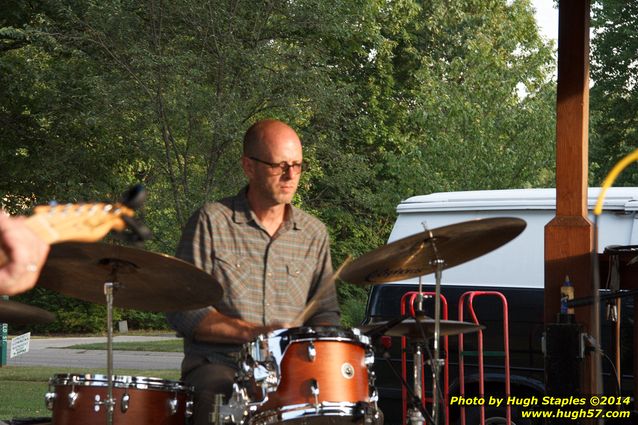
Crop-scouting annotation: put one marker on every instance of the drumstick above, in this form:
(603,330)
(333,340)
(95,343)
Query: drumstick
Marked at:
(310,308)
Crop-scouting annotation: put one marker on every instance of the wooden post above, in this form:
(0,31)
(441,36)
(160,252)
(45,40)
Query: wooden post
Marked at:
(569,236)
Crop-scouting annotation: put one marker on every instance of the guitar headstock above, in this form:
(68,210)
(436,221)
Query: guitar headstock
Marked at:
(78,222)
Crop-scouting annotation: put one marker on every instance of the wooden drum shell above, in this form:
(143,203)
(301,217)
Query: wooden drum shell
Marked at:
(147,405)
(338,370)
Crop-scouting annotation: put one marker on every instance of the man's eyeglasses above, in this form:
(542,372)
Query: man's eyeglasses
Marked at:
(281,168)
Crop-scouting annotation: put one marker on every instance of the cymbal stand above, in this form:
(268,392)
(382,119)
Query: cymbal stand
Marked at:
(110,401)
(109,292)
(436,365)
(415,416)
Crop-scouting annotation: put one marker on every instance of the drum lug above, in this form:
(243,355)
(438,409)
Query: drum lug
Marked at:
(172,406)
(372,378)
(312,352)
(96,405)
(374,395)
(369,358)
(125,402)
(314,390)
(49,399)
(72,398)
(188,410)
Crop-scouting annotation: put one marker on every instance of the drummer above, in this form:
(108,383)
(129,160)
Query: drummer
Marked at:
(269,257)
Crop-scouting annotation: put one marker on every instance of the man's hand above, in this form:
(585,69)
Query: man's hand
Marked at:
(22,255)
(217,327)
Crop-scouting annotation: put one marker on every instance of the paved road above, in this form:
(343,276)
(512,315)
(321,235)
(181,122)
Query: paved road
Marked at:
(48,352)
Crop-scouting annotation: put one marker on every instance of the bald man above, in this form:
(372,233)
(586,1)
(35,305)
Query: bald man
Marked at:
(269,257)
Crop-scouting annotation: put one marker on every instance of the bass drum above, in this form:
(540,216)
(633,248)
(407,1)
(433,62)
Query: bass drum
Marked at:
(79,400)
(310,375)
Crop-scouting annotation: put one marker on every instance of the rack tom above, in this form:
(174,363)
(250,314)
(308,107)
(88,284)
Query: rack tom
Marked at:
(309,374)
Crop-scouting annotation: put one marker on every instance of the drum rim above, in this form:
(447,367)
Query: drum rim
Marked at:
(302,410)
(322,333)
(119,381)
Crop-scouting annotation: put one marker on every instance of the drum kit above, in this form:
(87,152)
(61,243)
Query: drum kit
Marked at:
(294,376)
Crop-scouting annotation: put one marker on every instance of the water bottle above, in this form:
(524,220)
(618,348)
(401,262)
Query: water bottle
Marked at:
(566,294)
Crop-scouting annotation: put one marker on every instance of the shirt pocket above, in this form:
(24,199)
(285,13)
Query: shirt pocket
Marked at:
(298,281)
(232,272)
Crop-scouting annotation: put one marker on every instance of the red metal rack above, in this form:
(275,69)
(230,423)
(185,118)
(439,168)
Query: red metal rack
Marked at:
(468,298)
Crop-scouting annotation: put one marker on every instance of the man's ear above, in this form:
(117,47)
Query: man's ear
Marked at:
(248,166)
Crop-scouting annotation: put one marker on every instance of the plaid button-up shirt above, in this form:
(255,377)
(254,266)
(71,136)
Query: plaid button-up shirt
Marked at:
(265,279)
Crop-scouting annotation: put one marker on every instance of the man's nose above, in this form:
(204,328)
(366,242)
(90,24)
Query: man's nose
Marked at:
(288,174)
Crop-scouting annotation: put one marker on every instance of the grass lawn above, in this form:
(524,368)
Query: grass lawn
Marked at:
(22,389)
(169,345)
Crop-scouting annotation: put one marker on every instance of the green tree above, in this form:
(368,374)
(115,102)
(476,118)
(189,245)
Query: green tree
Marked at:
(52,147)
(391,99)
(614,95)
(449,96)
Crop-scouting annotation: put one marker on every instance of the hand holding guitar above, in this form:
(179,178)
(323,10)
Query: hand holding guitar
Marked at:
(22,257)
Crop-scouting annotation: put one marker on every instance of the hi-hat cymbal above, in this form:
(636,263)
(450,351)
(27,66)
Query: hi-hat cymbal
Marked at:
(416,255)
(15,313)
(145,280)
(410,328)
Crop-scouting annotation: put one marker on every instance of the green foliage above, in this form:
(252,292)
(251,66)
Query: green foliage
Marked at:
(352,299)
(391,99)
(143,319)
(614,95)
(72,316)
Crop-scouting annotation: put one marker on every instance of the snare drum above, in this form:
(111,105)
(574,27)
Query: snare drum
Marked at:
(79,400)
(309,374)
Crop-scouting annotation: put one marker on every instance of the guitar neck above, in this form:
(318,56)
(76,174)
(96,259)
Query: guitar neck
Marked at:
(38,225)
(75,222)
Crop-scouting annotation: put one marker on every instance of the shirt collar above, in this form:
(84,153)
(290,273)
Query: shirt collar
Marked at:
(241,208)
(243,214)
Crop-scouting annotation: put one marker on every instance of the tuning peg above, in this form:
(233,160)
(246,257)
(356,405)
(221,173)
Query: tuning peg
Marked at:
(134,197)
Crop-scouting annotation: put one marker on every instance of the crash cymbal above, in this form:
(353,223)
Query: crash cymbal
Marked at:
(415,255)
(15,313)
(410,328)
(146,281)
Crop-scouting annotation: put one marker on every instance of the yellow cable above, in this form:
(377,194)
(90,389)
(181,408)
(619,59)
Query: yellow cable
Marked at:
(611,177)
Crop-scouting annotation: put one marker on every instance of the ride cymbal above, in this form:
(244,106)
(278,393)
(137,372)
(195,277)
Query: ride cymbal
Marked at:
(410,328)
(15,313)
(416,255)
(145,280)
